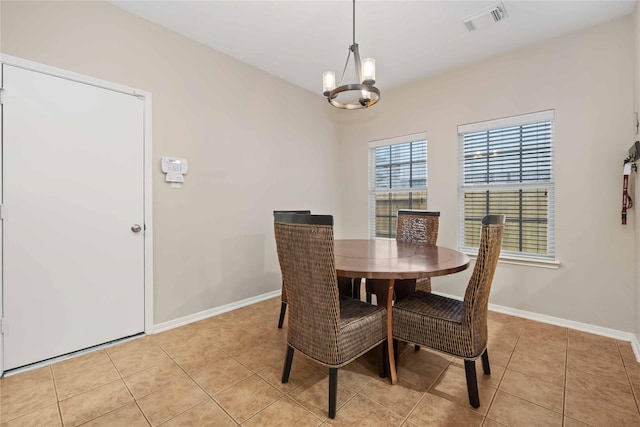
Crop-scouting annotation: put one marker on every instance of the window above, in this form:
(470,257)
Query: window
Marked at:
(507,167)
(397,180)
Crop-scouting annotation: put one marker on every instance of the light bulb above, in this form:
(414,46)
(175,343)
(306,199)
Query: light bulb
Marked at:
(369,70)
(328,82)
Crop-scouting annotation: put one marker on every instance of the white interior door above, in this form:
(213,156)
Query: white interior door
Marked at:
(73,188)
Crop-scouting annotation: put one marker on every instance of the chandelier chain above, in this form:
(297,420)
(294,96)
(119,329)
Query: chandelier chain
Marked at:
(354,21)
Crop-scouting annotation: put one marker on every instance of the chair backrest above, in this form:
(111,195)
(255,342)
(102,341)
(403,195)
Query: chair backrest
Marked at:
(302,212)
(305,253)
(291,212)
(419,227)
(476,298)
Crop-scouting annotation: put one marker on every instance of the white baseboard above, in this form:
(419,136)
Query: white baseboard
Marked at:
(170,324)
(585,327)
(635,345)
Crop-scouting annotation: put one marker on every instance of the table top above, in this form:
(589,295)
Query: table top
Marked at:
(389,259)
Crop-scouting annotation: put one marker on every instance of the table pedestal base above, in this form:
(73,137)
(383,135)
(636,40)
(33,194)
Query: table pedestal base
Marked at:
(384,294)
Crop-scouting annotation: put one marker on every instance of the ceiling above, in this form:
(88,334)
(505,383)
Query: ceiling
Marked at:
(298,40)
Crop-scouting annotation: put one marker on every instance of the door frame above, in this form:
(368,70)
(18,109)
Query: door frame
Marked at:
(147,166)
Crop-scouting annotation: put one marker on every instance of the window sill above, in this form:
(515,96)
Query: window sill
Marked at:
(528,262)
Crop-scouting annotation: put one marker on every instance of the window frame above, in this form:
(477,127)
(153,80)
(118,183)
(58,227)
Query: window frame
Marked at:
(373,191)
(547,260)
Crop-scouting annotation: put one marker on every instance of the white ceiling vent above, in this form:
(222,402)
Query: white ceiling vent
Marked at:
(486,17)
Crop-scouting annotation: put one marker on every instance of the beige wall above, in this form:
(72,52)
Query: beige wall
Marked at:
(254,144)
(587,78)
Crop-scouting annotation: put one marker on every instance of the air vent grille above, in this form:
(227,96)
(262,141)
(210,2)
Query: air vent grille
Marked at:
(486,17)
(497,14)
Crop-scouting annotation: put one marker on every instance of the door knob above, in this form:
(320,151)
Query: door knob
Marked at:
(136,228)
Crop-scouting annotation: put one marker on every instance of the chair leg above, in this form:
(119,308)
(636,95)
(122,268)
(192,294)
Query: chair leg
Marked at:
(287,365)
(283,310)
(356,288)
(383,367)
(404,288)
(472,382)
(485,362)
(395,350)
(333,391)
(345,286)
(417,347)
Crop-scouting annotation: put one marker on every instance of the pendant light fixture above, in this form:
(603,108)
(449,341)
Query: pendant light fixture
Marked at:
(353,96)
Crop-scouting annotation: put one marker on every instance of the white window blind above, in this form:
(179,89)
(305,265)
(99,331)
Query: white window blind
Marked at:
(507,167)
(397,180)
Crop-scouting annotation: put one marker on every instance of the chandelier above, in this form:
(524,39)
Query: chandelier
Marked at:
(353,96)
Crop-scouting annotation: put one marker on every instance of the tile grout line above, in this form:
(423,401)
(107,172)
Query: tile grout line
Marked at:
(406,419)
(108,412)
(633,392)
(370,400)
(257,374)
(196,383)
(93,389)
(284,396)
(253,372)
(565,384)
(566,370)
(186,410)
(486,416)
(527,400)
(610,402)
(287,394)
(424,394)
(128,389)
(55,390)
(121,379)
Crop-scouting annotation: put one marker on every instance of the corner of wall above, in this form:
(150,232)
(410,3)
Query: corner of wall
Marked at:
(636,106)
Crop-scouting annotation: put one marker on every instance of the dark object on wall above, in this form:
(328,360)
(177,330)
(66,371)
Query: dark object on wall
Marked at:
(628,167)
(634,152)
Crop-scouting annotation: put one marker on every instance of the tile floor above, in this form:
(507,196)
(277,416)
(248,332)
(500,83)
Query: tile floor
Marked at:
(225,371)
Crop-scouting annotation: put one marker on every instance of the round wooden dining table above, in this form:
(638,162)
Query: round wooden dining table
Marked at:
(392,260)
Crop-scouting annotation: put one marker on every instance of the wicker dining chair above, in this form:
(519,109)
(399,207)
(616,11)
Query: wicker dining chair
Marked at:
(419,227)
(458,328)
(328,328)
(347,285)
(283,294)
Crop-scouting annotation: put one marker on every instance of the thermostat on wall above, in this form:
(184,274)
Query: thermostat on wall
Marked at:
(175,168)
